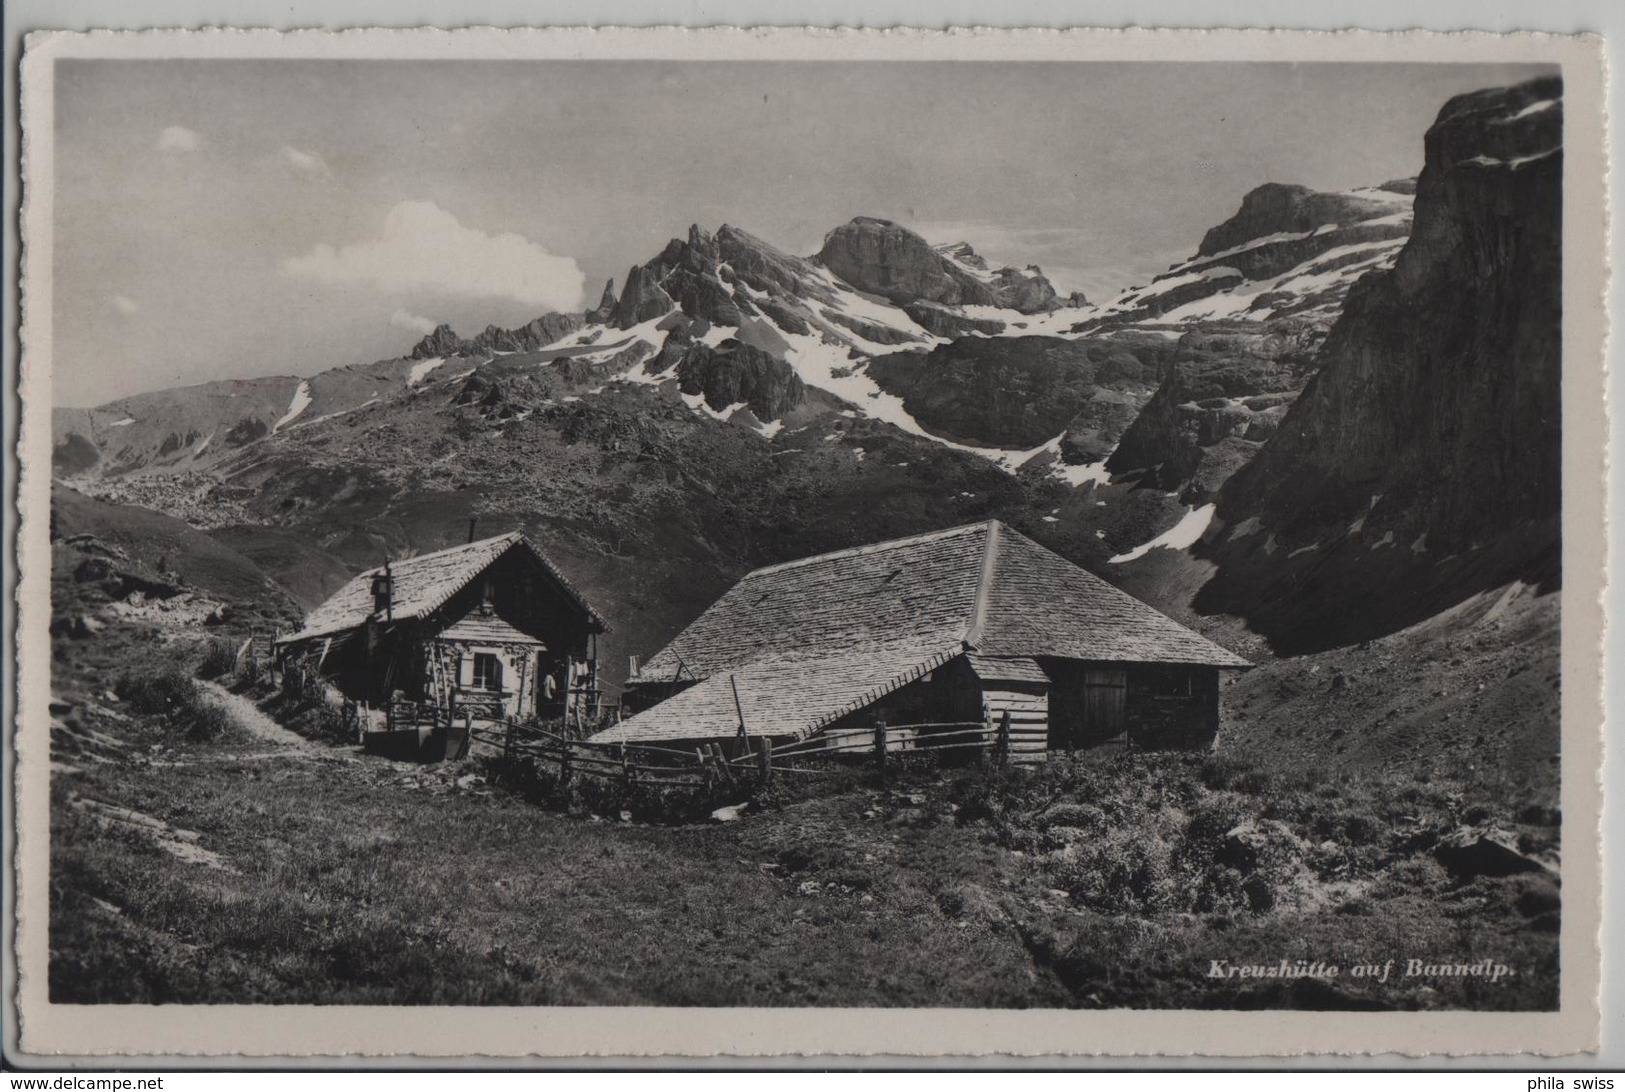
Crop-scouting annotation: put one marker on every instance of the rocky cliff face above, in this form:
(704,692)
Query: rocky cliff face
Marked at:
(1421,464)
(737,374)
(1222,394)
(1019,392)
(887,259)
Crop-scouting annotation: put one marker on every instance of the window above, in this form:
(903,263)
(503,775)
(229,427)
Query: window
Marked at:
(487,671)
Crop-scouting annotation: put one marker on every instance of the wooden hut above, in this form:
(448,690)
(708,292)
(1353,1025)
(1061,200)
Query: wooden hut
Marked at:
(427,645)
(973,625)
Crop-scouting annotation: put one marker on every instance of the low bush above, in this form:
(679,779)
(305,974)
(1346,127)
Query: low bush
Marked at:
(178,700)
(159,693)
(219,660)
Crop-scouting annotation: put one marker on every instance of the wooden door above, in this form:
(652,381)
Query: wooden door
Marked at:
(1105,695)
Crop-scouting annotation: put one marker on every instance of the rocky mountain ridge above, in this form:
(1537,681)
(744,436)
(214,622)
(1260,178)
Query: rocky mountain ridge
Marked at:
(736,405)
(1288,251)
(1422,462)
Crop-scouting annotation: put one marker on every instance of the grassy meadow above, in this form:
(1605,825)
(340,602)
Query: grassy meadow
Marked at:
(197,860)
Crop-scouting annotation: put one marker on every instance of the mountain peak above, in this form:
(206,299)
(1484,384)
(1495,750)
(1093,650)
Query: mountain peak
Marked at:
(441,342)
(886,259)
(1277,208)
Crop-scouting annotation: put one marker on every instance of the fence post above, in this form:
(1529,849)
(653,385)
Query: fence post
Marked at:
(626,771)
(1004,739)
(880,749)
(564,762)
(720,761)
(507,741)
(764,759)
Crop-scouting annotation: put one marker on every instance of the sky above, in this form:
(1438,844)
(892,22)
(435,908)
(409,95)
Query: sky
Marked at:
(236,218)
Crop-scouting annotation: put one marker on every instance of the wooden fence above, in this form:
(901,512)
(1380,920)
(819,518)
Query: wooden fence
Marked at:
(755,759)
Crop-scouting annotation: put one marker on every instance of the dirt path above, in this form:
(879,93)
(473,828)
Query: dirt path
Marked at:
(256,723)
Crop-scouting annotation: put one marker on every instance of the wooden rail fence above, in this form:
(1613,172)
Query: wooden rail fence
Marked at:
(754,759)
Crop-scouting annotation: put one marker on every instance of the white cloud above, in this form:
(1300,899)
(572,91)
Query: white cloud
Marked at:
(424,248)
(309,162)
(178,138)
(406,320)
(124,305)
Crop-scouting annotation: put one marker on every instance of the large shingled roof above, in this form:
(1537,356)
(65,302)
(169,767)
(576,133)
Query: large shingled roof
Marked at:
(423,584)
(809,641)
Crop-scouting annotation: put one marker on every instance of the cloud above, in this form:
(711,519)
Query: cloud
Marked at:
(424,248)
(406,320)
(124,305)
(309,162)
(178,138)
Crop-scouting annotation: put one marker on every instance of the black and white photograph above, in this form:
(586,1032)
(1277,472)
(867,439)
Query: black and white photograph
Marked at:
(827,531)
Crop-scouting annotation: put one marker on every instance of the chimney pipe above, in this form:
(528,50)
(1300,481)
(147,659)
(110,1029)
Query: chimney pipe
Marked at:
(472,520)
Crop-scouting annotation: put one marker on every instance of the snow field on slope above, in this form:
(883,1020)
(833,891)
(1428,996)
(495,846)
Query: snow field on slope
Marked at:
(301,402)
(421,369)
(1181,536)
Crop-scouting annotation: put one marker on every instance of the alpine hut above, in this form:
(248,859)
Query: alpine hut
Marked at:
(973,625)
(425,646)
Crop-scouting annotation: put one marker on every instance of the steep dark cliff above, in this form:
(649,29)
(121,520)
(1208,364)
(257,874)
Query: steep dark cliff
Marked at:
(1222,395)
(1023,391)
(1421,465)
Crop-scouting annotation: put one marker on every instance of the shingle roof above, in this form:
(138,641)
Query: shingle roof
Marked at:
(1006,668)
(423,584)
(1040,604)
(808,641)
(919,589)
(783,694)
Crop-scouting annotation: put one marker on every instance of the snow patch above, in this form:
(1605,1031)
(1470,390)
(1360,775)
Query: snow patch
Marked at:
(1528,111)
(1249,526)
(121,424)
(421,369)
(1181,536)
(330,416)
(697,403)
(301,402)
(1514,163)
(1083,474)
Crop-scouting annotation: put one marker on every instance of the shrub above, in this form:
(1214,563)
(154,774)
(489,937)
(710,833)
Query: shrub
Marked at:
(1081,816)
(219,660)
(1124,872)
(1222,771)
(1210,820)
(175,697)
(155,694)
